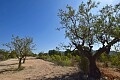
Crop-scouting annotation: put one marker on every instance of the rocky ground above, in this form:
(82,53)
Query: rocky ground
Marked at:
(37,69)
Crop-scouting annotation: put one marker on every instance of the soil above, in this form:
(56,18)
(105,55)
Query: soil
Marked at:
(37,69)
(34,69)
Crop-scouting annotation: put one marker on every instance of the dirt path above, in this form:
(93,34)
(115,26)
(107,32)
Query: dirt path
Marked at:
(35,69)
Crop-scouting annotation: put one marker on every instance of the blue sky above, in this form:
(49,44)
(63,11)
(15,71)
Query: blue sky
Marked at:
(37,19)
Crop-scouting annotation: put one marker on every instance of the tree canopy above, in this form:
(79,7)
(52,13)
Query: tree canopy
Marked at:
(85,29)
(22,47)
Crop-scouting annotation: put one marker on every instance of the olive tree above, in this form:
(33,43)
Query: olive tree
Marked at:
(22,47)
(28,46)
(85,28)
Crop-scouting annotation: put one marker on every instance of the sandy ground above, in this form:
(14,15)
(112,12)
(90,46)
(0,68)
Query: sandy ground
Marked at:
(35,69)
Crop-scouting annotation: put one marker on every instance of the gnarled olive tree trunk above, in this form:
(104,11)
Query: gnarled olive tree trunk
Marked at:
(94,72)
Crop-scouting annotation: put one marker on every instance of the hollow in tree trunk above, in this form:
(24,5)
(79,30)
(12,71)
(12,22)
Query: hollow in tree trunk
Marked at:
(94,71)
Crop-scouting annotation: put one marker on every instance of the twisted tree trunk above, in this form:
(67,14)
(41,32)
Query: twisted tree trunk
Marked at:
(94,72)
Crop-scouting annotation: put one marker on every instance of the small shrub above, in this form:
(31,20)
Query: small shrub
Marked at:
(45,57)
(69,55)
(104,57)
(77,58)
(61,60)
(115,60)
(57,58)
(66,63)
(52,57)
(64,58)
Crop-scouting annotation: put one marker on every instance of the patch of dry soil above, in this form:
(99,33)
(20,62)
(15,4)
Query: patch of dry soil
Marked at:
(34,69)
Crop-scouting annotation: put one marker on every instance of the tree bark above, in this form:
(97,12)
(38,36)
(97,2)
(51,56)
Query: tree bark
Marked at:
(24,59)
(19,66)
(94,72)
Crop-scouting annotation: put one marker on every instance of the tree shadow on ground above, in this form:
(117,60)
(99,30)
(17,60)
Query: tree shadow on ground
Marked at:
(7,70)
(74,76)
(8,64)
(11,70)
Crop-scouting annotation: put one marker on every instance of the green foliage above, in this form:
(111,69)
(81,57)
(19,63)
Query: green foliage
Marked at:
(21,46)
(69,55)
(67,58)
(85,29)
(39,55)
(32,54)
(104,57)
(4,55)
(63,60)
(52,52)
(66,62)
(57,58)
(115,60)
(71,60)
(78,58)
(44,57)
(13,54)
